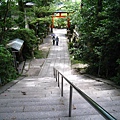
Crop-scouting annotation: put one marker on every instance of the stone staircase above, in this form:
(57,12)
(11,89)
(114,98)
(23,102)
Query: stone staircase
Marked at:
(35,98)
(106,94)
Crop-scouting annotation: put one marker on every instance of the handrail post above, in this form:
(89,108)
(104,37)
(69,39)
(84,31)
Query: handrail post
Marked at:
(58,79)
(56,75)
(62,86)
(54,72)
(70,101)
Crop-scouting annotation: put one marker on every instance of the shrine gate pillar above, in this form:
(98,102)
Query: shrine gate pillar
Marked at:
(68,21)
(52,24)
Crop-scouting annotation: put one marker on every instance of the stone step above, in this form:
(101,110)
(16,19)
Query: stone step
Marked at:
(40,91)
(36,84)
(88,117)
(41,100)
(32,115)
(46,114)
(33,107)
(77,103)
(33,103)
(56,94)
(4,96)
(84,113)
(56,105)
(65,97)
(31,92)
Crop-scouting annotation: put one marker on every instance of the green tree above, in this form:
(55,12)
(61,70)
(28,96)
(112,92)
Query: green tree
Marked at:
(21,14)
(99,41)
(12,14)
(7,69)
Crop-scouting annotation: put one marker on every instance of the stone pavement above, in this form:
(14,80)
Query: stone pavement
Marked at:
(58,56)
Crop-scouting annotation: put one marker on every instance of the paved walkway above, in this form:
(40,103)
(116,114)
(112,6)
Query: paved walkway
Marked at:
(58,56)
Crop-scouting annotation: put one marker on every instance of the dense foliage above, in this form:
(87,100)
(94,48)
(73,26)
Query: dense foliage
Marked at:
(99,42)
(17,18)
(7,70)
(97,22)
(29,38)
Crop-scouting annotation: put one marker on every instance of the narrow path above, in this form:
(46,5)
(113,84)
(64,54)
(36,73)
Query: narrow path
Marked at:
(58,56)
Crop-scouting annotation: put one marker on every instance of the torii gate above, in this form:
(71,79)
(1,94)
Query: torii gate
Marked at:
(60,16)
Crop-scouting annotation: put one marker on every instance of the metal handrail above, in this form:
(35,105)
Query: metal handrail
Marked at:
(102,111)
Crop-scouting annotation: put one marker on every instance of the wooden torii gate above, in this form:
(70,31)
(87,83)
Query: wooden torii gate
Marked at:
(60,14)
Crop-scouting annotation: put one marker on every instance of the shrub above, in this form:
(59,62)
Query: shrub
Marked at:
(30,40)
(7,69)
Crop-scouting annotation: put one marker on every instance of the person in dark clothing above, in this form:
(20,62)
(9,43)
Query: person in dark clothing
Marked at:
(57,40)
(53,38)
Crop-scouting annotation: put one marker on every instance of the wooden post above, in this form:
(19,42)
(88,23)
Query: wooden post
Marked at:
(68,21)
(52,25)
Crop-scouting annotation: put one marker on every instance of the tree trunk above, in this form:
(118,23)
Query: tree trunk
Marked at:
(6,13)
(100,5)
(21,15)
